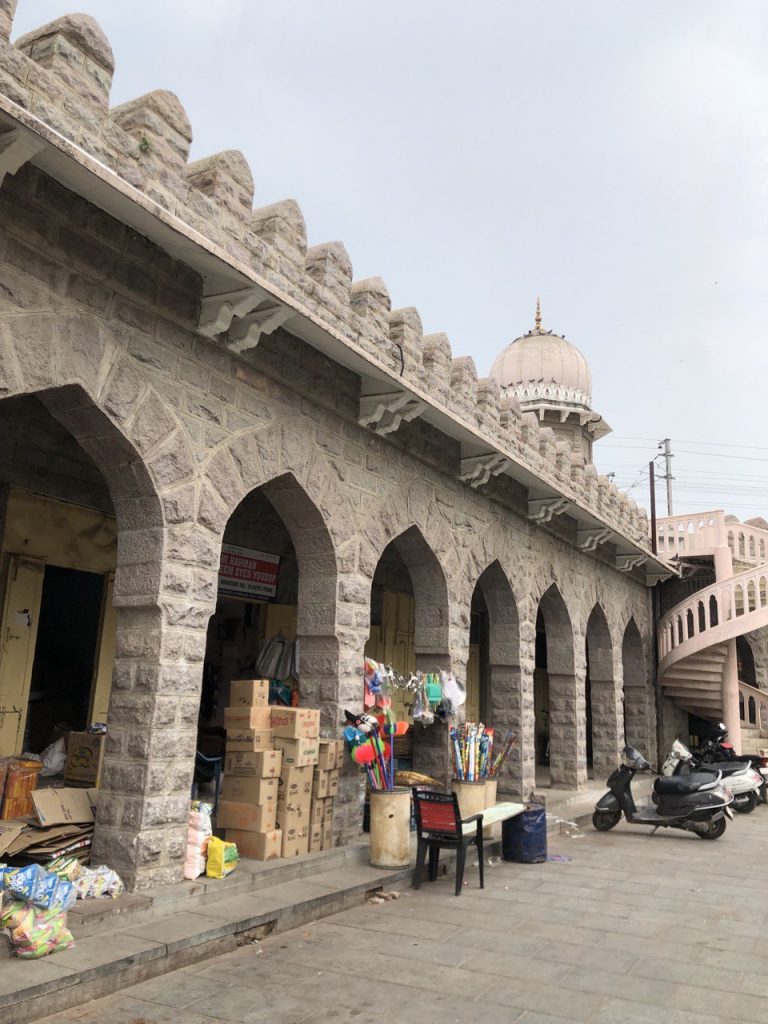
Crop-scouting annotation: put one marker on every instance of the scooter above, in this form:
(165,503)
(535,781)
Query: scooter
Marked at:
(743,782)
(717,751)
(695,803)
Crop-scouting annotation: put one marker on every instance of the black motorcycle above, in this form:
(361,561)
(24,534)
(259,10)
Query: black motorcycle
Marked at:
(695,803)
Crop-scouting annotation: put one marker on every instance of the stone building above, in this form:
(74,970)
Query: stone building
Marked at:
(179,370)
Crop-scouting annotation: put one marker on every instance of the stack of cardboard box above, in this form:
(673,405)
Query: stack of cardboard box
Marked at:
(248,806)
(279,777)
(297,733)
(325,784)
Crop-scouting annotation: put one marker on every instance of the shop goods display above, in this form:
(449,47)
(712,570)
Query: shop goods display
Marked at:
(365,735)
(89,883)
(436,695)
(21,778)
(199,831)
(34,932)
(474,755)
(222,858)
(276,769)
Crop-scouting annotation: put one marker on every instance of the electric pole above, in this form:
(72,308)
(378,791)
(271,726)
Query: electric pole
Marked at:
(668,456)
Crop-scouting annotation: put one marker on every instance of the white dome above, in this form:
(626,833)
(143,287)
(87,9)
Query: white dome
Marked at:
(542,367)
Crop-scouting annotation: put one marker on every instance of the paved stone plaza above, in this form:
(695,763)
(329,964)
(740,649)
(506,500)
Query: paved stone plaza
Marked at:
(632,929)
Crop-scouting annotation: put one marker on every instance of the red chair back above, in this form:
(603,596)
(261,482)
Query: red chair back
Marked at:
(437,812)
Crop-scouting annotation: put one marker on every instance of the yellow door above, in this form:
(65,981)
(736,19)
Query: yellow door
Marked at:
(21,614)
(473,684)
(105,658)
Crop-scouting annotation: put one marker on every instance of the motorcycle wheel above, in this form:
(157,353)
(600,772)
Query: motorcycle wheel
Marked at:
(747,804)
(604,821)
(712,831)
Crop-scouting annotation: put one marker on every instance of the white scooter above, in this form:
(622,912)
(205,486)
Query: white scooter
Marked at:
(742,780)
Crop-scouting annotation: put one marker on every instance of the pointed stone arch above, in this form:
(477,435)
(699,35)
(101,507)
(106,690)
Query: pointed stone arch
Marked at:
(603,704)
(639,714)
(501,697)
(567,726)
(408,564)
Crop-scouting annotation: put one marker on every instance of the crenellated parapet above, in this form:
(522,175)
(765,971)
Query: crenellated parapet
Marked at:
(62,74)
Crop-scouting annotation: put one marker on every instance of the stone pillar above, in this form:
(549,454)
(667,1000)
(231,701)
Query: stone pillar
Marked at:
(526,743)
(141,824)
(567,731)
(730,694)
(511,708)
(607,725)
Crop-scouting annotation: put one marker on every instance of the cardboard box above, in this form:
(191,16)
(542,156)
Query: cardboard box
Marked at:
(296,786)
(315,838)
(64,806)
(317,812)
(331,755)
(293,818)
(242,717)
(252,693)
(247,817)
(257,845)
(328,810)
(295,846)
(325,784)
(297,753)
(327,835)
(296,723)
(249,739)
(85,751)
(249,789)
(262,763)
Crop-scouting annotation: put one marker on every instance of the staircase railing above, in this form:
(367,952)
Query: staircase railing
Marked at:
(690,535)
(700,534)
(717,613)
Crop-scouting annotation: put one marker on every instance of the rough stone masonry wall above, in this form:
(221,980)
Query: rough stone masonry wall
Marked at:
(102,326)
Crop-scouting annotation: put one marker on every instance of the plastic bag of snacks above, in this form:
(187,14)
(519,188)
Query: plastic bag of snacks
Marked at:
(198,833)
(222,858)
(66,867)
(39,886)
(97,882)
(34,932)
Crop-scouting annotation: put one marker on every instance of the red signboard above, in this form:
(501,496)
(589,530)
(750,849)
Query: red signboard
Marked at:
(247,573)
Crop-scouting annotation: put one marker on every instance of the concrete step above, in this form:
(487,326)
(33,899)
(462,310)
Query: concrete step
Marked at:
(143,941)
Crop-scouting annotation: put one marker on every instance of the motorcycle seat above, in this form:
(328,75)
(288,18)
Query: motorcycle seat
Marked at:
(681,785)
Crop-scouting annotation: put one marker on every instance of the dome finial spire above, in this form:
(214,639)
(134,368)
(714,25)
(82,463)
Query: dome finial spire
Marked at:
(537,320)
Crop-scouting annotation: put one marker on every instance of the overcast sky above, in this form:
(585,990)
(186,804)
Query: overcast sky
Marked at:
(609,155)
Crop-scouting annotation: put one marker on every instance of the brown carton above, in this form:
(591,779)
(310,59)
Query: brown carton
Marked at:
(247,817)
(331,755)
(249,789)
(252,693)
(328,810)
(262,763)
(327,835)
(252,739)
(315,838)
(317,812)
(85,751)
(296,844)
(296,785)
(296,723)
(325,784)
(257,845)
(242,717)
(297,753)
(292,818)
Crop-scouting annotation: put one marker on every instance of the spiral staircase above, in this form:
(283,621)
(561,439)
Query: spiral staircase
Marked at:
(697,637)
